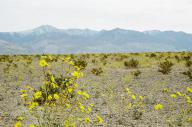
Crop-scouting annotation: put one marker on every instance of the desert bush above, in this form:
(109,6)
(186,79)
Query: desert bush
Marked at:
(93,61)
(131,63)
(188,63)
(177,58)
(165,67)
(152,55)
(97,71)
(82,64)
(186,58)
(188,73)
(137,73)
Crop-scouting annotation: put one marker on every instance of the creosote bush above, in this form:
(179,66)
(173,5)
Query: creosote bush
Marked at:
(165,67)
(81,64)
(97,71)
(133,63)
(188,73)
(188,63)
(136,73)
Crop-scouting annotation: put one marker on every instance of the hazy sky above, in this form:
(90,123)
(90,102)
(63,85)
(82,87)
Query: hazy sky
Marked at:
(16,15)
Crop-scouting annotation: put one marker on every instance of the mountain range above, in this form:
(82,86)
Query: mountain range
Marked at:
(51,40)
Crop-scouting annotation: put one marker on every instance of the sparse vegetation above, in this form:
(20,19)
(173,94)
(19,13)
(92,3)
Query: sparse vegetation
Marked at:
(80,90)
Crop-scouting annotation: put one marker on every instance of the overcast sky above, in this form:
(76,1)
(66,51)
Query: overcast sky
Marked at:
(17,15)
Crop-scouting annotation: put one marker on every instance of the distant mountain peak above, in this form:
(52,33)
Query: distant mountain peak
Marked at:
(41,30)
(45,28)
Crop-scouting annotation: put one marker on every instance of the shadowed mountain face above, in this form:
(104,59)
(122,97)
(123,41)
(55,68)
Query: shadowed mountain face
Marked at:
(48,39)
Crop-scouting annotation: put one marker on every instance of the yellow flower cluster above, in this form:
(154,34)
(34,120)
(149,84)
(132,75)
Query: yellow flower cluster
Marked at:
(76,74)
(189,90)
(18,124)
(158,107)
(37,95)
(43,63)
(60,93)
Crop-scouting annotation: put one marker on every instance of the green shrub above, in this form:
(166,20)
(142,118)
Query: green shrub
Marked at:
(97,71)
(188,63)
(165,67)
(137,73)
(131,63)
(82,64)
(188,73)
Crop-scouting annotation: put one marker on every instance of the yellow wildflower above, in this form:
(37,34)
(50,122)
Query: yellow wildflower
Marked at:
(184,95)
(72,63)
(18,124)
(91,105)
(32,125)
(20,118)
(76,74)
(37,94)
(52,78)
(68,58)
(173,95)
(158,106)
(129,105)
(82,108)
(189,120)
(29,87)
(68,105)
(85,95)
(66,123)
(128,91)
(89,109)
(178,93)
(166,90)
(76,85)
(99,119)
(56,96)
(188,100)
(189,90)
(79,92)
(49,97)
(23,91)
(87,120)
(79,119)
(24,95)
(70,90)
(52,105)
(73,124)
(33,105)
(54,85)
(133,97)
(141,97)
(43,63)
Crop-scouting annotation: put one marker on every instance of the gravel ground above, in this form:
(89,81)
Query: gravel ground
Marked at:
(107,92)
